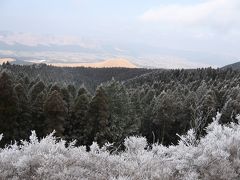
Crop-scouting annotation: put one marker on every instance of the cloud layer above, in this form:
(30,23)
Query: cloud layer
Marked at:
(208,13)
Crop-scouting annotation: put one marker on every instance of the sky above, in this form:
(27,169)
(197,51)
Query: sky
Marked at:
(204,26)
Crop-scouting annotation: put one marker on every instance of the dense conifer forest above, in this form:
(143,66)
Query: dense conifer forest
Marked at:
(108,105)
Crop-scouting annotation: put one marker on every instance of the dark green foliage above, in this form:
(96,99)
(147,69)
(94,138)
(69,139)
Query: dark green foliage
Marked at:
(164,111)
(72,91)
(90,77)
(122,118)
(230,110)
(98,118)
(191,100)
(76,126)
(82,91)
(38,115)
(8,109)
(55,87)
(205,111)
(37,88)
(55,111)
(66,98)
(24,125)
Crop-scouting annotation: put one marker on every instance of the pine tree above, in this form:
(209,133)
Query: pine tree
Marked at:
(67,99)
(122,118)
(230,111)
(8,109)
(26,81)
(38,115)
(227,112)
(147,122)
(205,113)
(77,125)
(164,116)
(189,111)
(55,87)
(98,117)
(36,89)
(72,91)
(55,111)
(82,90)
(24,124)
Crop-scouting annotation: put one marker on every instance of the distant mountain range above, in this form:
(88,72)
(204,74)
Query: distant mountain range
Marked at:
(110,63)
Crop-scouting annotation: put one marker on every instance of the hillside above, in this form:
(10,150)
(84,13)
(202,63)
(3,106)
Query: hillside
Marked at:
(234,66)
(90,77)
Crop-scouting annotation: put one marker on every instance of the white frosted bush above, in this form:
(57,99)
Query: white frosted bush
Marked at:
(135,145)
(216,156)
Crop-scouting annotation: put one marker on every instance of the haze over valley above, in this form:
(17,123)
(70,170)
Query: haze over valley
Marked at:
(157,34)
(28,48)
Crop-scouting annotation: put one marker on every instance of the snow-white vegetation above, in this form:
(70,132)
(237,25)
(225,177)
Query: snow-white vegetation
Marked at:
(215,156)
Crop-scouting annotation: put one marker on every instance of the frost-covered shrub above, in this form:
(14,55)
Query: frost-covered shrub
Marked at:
(216,156)
(134,145)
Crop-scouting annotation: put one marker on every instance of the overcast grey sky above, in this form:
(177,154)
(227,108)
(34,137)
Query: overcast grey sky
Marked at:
(211,26)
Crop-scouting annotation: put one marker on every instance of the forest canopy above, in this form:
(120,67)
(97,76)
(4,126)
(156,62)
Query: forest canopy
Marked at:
(156,104)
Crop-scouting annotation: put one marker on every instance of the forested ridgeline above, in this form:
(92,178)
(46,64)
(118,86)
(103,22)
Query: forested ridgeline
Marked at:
(157,105)
(90,77)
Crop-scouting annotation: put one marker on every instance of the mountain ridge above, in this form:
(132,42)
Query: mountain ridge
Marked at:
(234,66)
